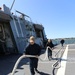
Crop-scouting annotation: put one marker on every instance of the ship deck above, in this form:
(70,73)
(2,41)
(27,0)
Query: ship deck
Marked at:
(67,64)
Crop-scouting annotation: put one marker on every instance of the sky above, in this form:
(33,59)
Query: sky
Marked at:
(57,16)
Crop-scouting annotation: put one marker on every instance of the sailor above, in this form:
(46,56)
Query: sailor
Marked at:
(33,49)
(50,46)
(62,42)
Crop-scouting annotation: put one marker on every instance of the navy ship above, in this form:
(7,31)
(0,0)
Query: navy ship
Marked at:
(16,30)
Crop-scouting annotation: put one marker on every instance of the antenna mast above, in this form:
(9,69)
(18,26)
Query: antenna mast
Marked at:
(12,5)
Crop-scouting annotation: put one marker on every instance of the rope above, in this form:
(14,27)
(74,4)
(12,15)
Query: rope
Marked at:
(57,64)
(27,56)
